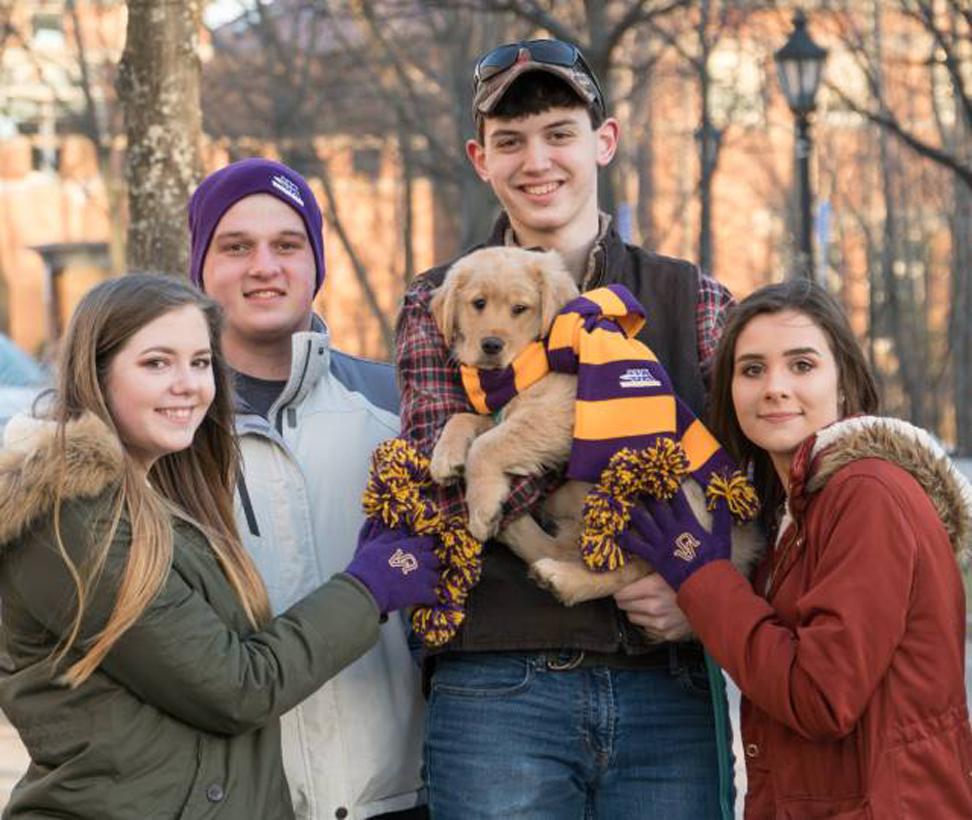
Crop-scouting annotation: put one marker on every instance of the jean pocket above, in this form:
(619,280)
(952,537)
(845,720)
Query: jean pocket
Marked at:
(482,676)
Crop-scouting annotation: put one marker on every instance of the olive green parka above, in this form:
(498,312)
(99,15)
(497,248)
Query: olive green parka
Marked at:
(181,718)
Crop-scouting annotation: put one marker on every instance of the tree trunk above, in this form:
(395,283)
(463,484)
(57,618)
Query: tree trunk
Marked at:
(408,206)
(895,300)
(158,85)
(707,146)
(640,136)
(960,326)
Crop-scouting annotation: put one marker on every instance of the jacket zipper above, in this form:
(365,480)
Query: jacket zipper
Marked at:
(251,521)
(300,383)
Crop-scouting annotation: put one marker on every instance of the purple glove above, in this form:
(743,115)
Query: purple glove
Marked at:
(398,568)
(670,538)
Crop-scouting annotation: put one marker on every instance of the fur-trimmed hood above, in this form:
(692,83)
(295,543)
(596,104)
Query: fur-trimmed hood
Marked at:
(899,442)
(30,480)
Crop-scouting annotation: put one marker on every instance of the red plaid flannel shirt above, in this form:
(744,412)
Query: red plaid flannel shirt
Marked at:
(431,389)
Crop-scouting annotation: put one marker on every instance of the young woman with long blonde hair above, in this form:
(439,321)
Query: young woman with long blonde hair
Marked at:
(147,676)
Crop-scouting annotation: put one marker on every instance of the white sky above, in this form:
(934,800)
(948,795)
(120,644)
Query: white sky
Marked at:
(218,12)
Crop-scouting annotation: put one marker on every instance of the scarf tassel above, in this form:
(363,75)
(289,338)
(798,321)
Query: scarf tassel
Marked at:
(738,494)
(396,495)
(658,471)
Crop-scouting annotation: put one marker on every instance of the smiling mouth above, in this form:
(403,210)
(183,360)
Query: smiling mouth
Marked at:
(264,293)
(540,190)
(180,415)
(777,418)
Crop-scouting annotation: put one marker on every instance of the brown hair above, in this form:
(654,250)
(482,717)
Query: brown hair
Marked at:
(536,92)
(196,483)
(855,382)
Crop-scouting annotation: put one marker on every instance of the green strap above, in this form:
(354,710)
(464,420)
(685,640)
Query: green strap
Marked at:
(720,711)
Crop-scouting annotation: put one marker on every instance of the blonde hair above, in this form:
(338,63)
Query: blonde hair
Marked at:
(196,483)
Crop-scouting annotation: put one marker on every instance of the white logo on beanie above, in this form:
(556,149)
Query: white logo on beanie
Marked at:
(287,187)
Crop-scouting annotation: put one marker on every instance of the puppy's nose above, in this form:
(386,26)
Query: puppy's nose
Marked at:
(491,345)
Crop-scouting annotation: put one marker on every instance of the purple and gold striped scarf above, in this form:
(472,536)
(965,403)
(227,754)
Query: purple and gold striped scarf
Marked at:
(624,395)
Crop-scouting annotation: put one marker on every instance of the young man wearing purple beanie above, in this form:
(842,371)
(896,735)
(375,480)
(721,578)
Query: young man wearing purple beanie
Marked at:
(308,418)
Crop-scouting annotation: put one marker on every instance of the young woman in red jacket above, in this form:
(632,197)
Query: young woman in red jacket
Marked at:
(848,645)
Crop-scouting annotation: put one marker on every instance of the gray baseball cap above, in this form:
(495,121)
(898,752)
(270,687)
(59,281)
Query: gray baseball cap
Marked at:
(500,67)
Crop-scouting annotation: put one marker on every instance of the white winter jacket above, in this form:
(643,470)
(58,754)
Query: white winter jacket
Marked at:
(353,749)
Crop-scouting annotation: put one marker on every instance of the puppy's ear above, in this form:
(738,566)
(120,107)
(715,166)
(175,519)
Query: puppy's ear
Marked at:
(557,287)
(445,301)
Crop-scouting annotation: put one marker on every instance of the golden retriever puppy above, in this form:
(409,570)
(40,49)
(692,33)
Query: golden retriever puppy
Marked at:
(492,304)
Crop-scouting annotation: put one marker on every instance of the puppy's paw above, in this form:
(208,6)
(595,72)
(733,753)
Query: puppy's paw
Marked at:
(483,524)
(545,573)
(570,581)
(446,465)
(484,499)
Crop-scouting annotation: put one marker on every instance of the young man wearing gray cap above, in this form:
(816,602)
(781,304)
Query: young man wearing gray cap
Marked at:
(308,417)
(537,710)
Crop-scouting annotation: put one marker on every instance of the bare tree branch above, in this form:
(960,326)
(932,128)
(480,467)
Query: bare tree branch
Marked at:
(636,15)
(919,146)
(926,16)
(532,13)
(335,221)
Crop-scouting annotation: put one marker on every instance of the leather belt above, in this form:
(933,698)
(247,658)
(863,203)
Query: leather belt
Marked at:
(663,656)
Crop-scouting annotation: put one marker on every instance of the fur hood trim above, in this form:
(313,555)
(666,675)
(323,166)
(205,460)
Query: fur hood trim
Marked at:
(29,479)
(912,449)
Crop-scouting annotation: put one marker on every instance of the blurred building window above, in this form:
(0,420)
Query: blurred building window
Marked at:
(367,161)
(45,158)
(48,31)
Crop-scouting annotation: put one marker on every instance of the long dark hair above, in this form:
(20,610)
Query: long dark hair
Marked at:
(854,380)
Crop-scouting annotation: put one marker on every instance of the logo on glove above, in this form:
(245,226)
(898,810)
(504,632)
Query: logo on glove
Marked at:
(404,561)
(687,547)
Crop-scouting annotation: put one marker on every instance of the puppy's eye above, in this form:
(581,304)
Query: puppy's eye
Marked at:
(518,309)
(479,303)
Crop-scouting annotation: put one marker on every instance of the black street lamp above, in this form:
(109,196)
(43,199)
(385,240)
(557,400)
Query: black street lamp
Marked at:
(799,65)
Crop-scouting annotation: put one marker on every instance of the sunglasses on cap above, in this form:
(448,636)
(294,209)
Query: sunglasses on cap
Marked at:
(545,52)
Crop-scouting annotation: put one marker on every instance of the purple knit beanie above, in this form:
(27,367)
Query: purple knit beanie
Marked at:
(222,189)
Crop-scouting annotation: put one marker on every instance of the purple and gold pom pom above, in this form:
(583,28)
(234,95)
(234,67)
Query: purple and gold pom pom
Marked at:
(396,495)
(739,495)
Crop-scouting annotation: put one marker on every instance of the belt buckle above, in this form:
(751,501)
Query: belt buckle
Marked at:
(566,664)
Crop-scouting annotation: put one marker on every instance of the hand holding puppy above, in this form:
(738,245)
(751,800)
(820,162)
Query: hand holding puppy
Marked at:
(650,603)
(670,538)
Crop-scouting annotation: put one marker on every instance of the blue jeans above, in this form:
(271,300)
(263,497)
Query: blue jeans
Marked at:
(512,736)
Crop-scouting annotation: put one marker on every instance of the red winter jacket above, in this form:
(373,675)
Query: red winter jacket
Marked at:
(852,664)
